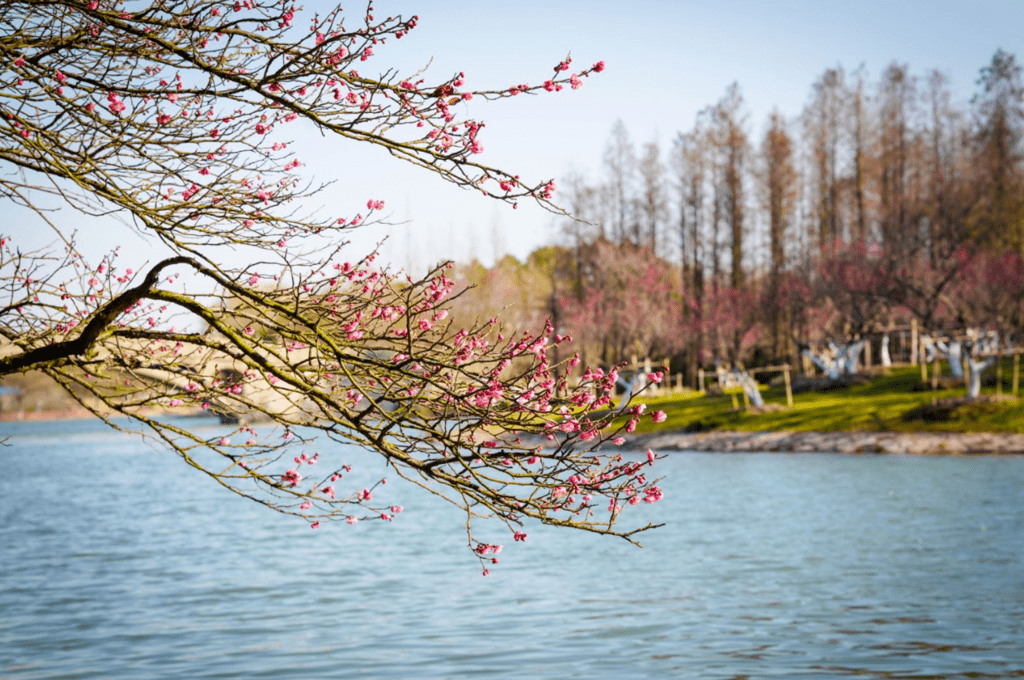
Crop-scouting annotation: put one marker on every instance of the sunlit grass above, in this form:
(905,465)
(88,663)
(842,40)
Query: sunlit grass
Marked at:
(877,406)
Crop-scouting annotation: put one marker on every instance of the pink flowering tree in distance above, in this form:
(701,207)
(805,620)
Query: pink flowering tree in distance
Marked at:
(171,114)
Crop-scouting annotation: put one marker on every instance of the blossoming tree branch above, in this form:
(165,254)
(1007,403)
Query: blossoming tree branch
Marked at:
(172,115)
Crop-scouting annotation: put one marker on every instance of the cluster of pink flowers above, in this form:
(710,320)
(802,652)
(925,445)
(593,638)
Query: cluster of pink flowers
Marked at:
(487,549)
(115,105)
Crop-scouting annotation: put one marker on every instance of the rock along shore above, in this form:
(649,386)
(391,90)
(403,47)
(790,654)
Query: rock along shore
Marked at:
(919,443)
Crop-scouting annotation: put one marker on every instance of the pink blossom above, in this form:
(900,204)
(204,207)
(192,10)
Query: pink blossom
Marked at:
(396,509)
(650,457)
(365,495)
(314,525)
(619,441)
(351,520)
(115,105)
(659,416)
(306,505)
(653,495)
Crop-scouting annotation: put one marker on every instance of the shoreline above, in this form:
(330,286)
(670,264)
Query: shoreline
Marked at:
(54,415)
(768,441)
(60,415)
(855,442)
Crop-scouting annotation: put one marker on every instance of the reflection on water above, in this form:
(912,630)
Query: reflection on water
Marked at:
(118,560)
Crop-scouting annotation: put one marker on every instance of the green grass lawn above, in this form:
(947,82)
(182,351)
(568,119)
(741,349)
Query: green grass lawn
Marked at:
(879,406)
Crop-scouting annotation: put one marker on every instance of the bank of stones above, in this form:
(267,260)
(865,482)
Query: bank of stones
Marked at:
(922,443)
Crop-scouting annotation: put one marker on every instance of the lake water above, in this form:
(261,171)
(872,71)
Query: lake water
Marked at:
(117,560)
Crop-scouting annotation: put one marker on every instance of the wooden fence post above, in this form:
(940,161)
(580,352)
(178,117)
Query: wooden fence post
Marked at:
(913,343)
(700,380)
(999,372)
(789,387)
(924,366)
(1016,373)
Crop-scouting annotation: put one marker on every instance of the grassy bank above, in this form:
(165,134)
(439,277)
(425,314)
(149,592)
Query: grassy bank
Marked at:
(879,405)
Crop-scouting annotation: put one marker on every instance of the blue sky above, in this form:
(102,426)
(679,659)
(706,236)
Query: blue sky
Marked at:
(666,61)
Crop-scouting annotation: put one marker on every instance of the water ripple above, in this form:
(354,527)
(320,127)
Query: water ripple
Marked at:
(771,566)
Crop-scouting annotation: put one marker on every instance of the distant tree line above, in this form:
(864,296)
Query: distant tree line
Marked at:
(879,203)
